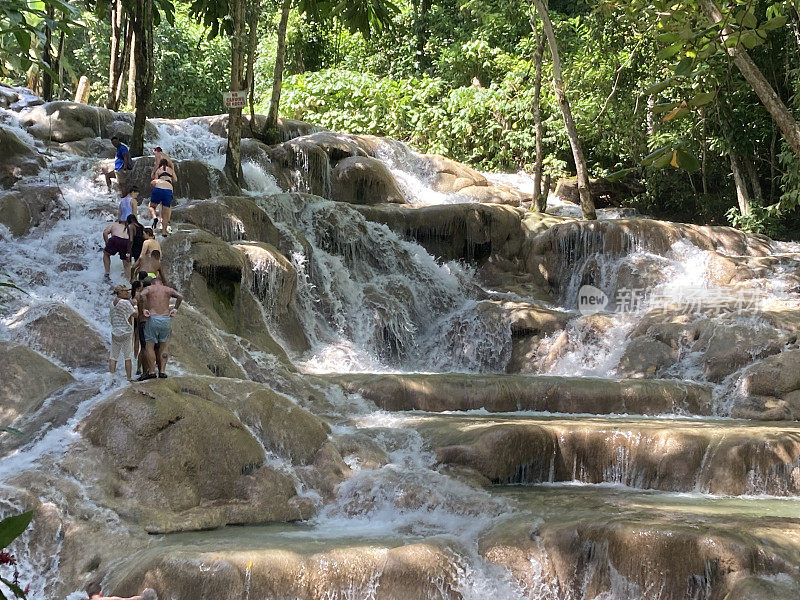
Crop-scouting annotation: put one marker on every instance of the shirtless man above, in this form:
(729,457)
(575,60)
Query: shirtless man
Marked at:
(95,592)
(150,264)
(159,324)
(150,242)
(115,237)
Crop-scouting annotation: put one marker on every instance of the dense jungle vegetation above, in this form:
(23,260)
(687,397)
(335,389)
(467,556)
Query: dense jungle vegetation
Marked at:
(658,100)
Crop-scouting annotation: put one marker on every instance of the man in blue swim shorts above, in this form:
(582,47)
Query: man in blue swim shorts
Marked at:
(155,298)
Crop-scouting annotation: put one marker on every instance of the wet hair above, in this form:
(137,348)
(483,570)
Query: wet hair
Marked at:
(155,254)
(164,163)
(142,275)
(113,137)
(132,189)
(131,219)
(149,231)
(93,589)
(149,594)
(135,288)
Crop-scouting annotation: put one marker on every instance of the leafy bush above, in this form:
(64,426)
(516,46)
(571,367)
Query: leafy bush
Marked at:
(10,529)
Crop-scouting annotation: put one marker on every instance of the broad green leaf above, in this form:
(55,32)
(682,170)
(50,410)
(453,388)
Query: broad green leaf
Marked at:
(774,23)
(655,155)
(12,527)
(686,161)
(619,175)
(664,107)
(663,160)
(746,18)
(669,51)
(676,113)
(668,38)
(702,99)
(657,88)
(684,67)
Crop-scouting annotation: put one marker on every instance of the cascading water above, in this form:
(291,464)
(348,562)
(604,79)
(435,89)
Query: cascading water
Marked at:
(368,300)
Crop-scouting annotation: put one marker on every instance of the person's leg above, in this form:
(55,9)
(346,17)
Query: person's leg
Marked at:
(128,368)
(151,357)
(143,349)
(126,264)
(112,365)
(166,211)
(159,366)
(109,176)
(164,356)
(152,208)
(107,262)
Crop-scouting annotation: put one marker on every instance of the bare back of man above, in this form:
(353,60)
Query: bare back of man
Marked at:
(116,241)
(157,300)
(150,265)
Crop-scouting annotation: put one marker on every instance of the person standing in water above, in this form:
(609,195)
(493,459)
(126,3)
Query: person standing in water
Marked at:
(159,324)
(116,240)
(129,205)
(120,313)
(122,167)
(163,179)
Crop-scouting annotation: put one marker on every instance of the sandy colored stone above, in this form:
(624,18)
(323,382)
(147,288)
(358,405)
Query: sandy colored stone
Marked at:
(364,180)
(64,335)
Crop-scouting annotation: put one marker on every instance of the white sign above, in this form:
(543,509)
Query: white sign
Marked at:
(235,99)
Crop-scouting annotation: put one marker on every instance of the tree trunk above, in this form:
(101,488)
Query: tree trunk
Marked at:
(772,167)
(539,196)
(47,57)
(233,154)
(421,37)
(270,133)
(125,60)
(755,184)
(115,56)
(82,93)
(253,14)
(776,108)
(132,71)
(60,68)
(142,24)
(587,202)
(741,188)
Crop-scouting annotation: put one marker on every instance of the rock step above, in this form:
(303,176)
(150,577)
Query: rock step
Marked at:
(708,456)
(598,543)
(546,393)
(563,543)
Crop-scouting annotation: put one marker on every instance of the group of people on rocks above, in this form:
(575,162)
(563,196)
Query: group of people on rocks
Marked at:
(141,313)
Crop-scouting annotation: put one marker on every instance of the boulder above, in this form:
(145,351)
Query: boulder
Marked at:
(451,177)
(606,193)
(63,334)
(231,218)
(26,207)
(776,375)
(17,159)
(26,380)
(470,232)
(64,121)
(189,453)
(645,357)
(364,180)
(196,179)
(88,147)
(727,347)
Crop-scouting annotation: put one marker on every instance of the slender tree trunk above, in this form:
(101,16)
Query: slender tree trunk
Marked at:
(772,168)
(421,35)
(585,192)
(143,59)
(703,154)
(741,188)
(233,154)
(539,195)
(47,58)
(125,60)
(115,56)
(132,70)
(253,14)
(780,114)
(271,134)
(755,184)
(60,68)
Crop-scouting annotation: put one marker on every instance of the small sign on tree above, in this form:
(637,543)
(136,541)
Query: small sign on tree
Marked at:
(235,99)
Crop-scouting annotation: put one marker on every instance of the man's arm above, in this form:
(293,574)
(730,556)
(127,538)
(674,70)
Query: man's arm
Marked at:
(179,299)
(126,160)
(106,233)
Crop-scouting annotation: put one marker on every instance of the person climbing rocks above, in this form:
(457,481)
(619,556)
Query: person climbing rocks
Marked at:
(159,324)
(150,264)
(122,167)
(163,179)
(94,591)
(115,238)
(136,235)
(122,310)
(159,154)
(150,242)
(129,204)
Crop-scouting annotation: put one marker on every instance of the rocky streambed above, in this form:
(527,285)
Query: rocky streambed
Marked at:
(383,384)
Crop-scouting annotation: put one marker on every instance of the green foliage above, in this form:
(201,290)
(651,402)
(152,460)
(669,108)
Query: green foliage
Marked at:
(10,529)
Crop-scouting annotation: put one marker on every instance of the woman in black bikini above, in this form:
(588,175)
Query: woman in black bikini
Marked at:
(163,178)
